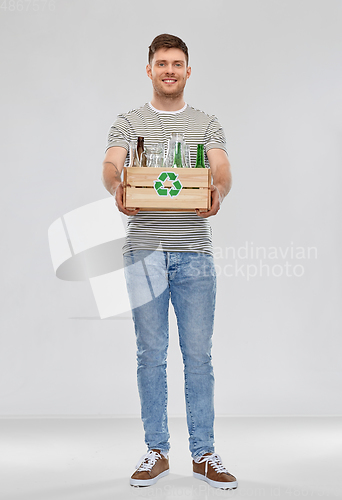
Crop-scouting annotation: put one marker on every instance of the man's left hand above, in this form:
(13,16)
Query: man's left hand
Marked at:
(216,200)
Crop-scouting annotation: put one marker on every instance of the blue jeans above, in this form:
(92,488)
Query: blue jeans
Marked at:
(189,279)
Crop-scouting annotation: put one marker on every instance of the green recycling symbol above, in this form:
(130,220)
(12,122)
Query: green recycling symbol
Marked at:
(172,191)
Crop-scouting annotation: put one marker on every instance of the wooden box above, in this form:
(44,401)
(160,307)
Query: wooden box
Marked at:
(181,189)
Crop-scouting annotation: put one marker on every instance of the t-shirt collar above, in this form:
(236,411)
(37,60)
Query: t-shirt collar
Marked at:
(168,112)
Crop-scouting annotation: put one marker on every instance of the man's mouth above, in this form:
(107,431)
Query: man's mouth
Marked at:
(169,80)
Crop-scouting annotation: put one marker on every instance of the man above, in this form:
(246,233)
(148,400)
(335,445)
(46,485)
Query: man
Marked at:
(169,255)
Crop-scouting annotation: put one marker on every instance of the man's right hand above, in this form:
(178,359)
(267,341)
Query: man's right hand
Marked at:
(118,196)
(111,176)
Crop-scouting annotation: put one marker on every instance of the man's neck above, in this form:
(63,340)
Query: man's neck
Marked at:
(168,104)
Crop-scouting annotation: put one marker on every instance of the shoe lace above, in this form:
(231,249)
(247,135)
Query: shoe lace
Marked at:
(215,461)
(147,461)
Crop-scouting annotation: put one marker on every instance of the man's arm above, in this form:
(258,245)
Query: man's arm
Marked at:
(113,164)
(222,180)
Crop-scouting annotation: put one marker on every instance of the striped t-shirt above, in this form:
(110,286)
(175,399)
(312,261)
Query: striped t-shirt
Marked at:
(168,231)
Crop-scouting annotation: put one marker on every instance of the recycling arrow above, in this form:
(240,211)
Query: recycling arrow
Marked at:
(173,191)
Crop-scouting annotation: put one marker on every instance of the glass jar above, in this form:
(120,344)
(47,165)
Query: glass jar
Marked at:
(155,155)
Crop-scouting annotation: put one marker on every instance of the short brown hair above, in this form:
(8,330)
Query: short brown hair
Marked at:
(166,41)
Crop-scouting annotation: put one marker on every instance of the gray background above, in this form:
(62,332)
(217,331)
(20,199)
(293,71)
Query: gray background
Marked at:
(271,71)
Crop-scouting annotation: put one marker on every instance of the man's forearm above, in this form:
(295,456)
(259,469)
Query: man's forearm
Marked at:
(220,169)
(111,176)
(223,181)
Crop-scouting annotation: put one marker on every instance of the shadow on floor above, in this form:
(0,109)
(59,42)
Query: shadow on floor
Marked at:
(169,488)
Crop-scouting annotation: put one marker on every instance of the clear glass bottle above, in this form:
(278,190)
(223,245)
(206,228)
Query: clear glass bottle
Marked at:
(187,156)
(175,154)
(133,154)
(170,152)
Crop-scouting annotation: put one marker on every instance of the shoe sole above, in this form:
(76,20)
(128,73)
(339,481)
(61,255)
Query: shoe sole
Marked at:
(217,484)
(148,482)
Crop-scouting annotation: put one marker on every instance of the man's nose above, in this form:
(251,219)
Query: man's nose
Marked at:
(169,68)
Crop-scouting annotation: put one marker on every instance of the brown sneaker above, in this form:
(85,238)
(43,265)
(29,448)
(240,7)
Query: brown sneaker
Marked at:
(151,467)
(209,468)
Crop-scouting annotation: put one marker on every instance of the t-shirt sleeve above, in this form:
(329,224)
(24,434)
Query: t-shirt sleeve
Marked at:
(119,134)
(215,137)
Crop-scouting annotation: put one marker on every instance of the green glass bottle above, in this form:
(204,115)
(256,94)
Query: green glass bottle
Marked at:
(200,157)
(177,162)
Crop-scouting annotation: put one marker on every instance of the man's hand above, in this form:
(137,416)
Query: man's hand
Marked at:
(216,200)
(111,176)
(118,196)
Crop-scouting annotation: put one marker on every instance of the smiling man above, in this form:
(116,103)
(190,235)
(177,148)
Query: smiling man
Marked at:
(169,76)
(169,256)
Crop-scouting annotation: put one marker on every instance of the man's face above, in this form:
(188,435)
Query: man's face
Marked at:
(168,72)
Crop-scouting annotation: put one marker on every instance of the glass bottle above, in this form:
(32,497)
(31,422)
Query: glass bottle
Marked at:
(200,157)
(175,138)
(169,154)
(141,152)
(133,154)
(187,156)
(178,160)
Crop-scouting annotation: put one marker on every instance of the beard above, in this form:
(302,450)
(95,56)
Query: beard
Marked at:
(171,94)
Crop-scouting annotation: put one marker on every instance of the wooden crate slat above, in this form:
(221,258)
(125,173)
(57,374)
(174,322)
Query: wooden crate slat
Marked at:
(150,182)
(188,177)
(147,197)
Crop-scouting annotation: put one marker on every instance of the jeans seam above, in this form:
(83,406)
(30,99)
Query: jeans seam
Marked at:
(191,433)
(166,392)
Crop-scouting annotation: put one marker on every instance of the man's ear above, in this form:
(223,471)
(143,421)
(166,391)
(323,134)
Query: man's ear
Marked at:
(188,72)
(149,71)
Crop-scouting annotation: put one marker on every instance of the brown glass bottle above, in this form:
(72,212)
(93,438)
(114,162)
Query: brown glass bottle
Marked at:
(141,152)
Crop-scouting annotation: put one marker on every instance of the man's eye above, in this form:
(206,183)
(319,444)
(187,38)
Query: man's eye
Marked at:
(161,64)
